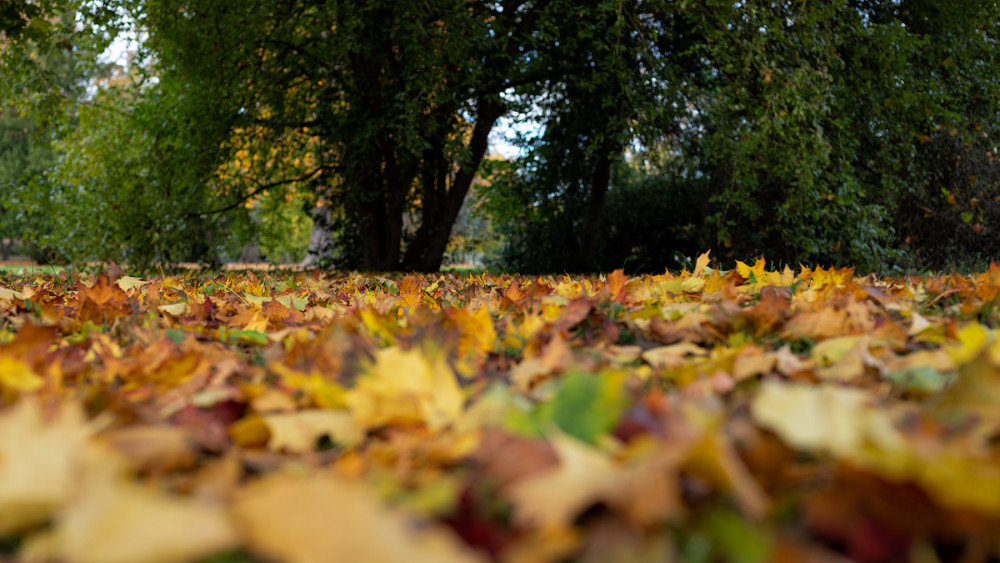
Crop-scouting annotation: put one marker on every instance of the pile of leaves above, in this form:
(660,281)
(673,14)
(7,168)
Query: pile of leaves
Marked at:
(743,415)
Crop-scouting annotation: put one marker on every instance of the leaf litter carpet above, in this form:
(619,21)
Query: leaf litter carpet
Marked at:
(740,415)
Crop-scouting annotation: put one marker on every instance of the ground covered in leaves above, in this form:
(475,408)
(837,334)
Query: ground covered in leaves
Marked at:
(742,415)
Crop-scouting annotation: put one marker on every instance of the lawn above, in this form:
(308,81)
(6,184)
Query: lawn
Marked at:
(735,414)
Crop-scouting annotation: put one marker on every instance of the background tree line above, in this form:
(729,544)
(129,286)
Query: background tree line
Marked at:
(858,132)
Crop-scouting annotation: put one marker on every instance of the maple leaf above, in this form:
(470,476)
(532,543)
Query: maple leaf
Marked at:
(616,284)
(39,462)
(152,448)
(298,432)
(406,386)
(18,376)
(114,521)
(103,301)
(824,417)
(318,518)
(476,340)
(555,497)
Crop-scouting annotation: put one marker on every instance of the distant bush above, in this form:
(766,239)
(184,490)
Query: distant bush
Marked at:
(951,216)
(651,222)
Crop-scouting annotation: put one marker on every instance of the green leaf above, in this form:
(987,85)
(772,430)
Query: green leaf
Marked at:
(293,302)
(248,336)
(586,406)
(736,539)
(922,380)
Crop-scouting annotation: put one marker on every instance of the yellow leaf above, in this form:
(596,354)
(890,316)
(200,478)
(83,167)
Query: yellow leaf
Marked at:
(406,386)
(8,294)
(323,518)
(841,358)
(18,376)
(823,417)
(178,309)
(297,432)
(128,283)
(257,300)
(693,285)
(672,356)
(476,340)
(787,277)
(555,498)
(250,432)
(39,462)
(672,286)
(257,324)
(115,521)
(321,390)
(701,263)
(757,270)
(971,341)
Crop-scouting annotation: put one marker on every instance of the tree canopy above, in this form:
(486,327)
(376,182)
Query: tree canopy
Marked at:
(811,132)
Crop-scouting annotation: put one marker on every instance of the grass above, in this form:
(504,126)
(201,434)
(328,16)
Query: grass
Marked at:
(31,269)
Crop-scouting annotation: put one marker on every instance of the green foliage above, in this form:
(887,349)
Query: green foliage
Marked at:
(799,131)
(284,225)
(133,184)
(951,218)
(650,221)
(54,83)
(808,132)
(22,157)
(816,112)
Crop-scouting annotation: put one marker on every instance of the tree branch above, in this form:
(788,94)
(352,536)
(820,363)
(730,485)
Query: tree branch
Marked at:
(261,188)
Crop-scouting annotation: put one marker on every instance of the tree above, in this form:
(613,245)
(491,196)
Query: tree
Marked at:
(43,79)
(400,98)
(804,126)
(801,122)
(616,77)
(813,113)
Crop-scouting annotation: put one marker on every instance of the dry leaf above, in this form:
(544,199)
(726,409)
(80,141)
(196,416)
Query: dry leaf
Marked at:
(320,518)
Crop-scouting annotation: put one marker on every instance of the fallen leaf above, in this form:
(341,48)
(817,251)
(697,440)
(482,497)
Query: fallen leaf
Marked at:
(672,356)
(298,432)
(319,518)
(17,375)
(40,461)
(129,283)
(152,448)
(406,386)
(555,497)
(118,522)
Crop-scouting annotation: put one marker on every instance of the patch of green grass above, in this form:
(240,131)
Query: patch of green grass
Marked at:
(21,269)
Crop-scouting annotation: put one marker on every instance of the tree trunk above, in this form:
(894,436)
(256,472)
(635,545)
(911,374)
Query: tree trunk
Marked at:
(587,258)
(321,249)
(433,235)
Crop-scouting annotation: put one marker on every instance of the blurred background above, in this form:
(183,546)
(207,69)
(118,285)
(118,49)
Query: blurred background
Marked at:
(530,136)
